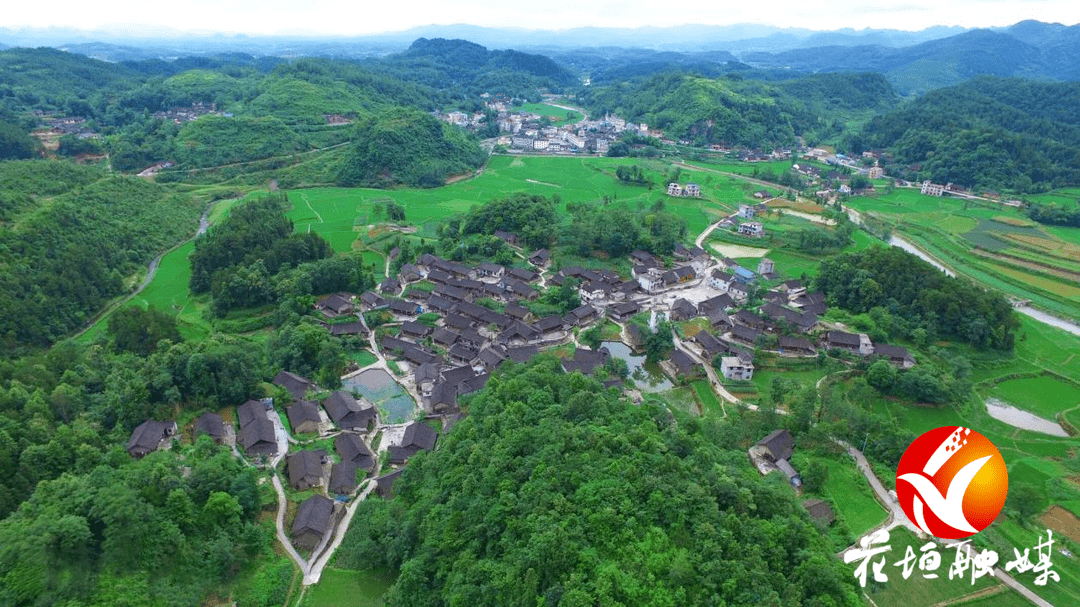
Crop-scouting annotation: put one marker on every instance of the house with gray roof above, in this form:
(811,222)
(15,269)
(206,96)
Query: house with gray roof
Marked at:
(314,519)
(150,436)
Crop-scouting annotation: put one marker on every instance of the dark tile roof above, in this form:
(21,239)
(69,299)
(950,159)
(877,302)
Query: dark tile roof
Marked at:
(343,478)
(473,383)
(404,307)
(779,444)
(443,396)
(720,302)
(418,436)
(795,343)
(842,339)
(305,469)
(492,356)
(683,362)
(456,375)
(416,329)
(301,412)
(444,336)
(314,515)
(460,351)
(347,412)
(549,323)
(212,424)
(148,435)
(522,354)
(349,328)
(296,385)
(820,510)
(586,361)
(745,334)
(352,449)
(523,274)
(384,484)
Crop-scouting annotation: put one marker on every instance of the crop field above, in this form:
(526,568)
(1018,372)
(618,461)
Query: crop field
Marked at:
(1008,535)
(710,402)
(338,587)
(1045,396)
(339,213)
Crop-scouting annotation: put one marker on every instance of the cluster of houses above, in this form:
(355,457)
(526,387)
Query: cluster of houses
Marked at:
(66,125)
(180,114)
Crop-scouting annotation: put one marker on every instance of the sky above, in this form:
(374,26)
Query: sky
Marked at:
(341,17)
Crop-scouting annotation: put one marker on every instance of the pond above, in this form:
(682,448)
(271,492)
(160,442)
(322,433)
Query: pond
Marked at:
(1002,411)
(393,402)
(646,376)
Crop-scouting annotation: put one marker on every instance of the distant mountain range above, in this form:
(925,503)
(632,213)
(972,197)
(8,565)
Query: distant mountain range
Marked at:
(914,62)
(1029,49)
(135,44)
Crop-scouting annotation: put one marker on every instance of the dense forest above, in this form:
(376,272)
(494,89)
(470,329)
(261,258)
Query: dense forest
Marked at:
(988,133)
(408,147)
(738,111)
(73,237)
(913,290)
(554,491)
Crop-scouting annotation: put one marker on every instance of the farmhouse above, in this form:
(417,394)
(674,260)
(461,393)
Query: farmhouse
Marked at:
(858,344)
(732,367)
(304,417)
(296,385)
(149,436)
(897,355)
(212,425)
(348,412)
(314,518)
(352,449)
(418,436)
(674,189)
(258,435)
(752,228)
(306,469)
(932,189)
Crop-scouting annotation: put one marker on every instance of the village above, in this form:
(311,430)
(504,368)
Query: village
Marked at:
(461,343)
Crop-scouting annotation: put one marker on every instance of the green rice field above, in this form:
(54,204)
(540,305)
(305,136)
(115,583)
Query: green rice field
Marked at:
(848,491)
(1045,396)
(710,402)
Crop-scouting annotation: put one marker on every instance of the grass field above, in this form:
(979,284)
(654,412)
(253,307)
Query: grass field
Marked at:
(363,358)
(560,115)
(1044,396)
(345,587)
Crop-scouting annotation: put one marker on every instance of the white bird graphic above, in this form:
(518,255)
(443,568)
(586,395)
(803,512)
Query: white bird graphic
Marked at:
(950,508)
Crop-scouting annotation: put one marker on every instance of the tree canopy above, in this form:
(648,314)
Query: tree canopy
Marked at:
(555,491)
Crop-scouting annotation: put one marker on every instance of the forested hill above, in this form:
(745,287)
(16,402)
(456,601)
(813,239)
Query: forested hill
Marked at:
(70,237)
(739,111)
(556,491)
(459,65)
(988,132)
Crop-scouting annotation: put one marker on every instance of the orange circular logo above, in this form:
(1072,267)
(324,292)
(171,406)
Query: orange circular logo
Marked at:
(952,482)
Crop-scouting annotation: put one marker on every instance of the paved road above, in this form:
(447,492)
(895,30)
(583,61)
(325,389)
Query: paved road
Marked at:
(701,237)
(280,524)
(714,379)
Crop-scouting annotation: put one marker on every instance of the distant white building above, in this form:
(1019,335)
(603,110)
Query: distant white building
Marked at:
(766,266)
(674,189)
(692,189)
(747,211)
(932,189)
(876,172)
(733,367)
(540,144)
